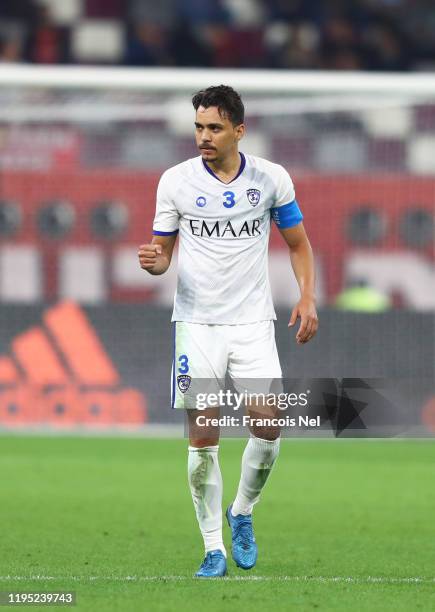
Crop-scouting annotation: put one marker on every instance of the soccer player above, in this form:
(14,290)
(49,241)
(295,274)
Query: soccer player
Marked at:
(221,204)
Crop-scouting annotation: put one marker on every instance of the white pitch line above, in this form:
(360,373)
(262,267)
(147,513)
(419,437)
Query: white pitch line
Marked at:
(321,579)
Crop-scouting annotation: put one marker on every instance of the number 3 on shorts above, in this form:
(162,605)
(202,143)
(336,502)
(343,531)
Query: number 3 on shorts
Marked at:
(184,364)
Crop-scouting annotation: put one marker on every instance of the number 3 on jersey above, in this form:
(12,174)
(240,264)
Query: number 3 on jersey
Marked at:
(229,199)
(184,364)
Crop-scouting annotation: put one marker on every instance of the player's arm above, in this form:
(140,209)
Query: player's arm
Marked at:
(302,261)
(288,219)
(156,257)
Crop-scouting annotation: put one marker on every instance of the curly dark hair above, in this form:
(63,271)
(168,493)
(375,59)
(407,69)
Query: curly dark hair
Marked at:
(227,100)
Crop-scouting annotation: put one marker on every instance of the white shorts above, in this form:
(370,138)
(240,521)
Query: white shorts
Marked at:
(209,352)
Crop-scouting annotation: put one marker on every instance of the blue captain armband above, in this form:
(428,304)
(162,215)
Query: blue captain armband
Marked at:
(287,215)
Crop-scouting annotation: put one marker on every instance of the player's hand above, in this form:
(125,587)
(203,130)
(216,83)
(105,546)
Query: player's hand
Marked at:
(148,254)
(305,310)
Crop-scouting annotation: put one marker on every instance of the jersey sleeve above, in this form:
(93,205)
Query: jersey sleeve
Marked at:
(285,210)
(166,219)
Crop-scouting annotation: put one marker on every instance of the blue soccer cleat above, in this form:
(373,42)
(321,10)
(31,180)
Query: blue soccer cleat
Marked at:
(244,548)
(213,566)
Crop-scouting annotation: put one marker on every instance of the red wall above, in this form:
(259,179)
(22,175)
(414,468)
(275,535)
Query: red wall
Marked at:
(326,202)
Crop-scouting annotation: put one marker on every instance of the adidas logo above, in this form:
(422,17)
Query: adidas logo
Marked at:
(59,374)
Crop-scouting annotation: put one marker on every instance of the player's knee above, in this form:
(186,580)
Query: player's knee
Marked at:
(203,436)
(202,428)
(203,442)
(266,433)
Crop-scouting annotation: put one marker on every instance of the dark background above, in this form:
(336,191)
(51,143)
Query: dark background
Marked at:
(396,345)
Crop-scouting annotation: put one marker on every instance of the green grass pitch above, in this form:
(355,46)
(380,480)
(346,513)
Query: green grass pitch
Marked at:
(342,525)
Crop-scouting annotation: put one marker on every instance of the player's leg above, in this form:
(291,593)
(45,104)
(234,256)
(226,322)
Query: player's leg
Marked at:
(255,357)
(260,362)
(258,459)
(206,487)
(197,358)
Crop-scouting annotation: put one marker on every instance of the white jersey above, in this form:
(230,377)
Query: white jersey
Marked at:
(224,234)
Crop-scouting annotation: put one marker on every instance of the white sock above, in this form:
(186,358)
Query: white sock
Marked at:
(205,481)
(257,462)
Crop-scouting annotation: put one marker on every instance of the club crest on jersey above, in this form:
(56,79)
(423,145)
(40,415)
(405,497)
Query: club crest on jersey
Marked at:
(201,201)
(253,196)
(183,382)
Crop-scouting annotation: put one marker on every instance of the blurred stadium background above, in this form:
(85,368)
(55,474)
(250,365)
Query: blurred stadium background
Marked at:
(337,34)
(85,335)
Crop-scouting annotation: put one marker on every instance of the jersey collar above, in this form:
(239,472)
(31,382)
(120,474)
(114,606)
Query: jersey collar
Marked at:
(242,167)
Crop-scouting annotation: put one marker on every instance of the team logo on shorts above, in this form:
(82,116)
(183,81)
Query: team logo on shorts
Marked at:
(183,382)
(253,196)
